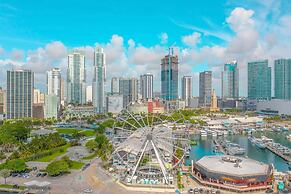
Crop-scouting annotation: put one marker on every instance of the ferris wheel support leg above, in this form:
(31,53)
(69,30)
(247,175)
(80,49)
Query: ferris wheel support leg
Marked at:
(139,159)
(160,162)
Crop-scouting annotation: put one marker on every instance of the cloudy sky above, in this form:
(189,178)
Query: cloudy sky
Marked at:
(38,35)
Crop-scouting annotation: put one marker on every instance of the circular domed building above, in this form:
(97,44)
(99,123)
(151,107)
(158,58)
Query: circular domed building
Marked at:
(233,173)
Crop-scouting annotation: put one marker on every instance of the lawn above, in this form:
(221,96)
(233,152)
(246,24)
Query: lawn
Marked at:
(70,131)
(77,165)
(62,150)
(90,157)
(11,187)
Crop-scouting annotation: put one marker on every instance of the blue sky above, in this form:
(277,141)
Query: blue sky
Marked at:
(135,34)
(29,24)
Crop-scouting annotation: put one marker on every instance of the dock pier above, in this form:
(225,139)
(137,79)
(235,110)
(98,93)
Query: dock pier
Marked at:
(275,151)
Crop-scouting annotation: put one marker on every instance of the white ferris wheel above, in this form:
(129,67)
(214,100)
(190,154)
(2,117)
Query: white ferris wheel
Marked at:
(149,147)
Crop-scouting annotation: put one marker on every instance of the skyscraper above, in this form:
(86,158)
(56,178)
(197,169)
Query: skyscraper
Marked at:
(186,89)
(128,88)
(205,88)
(89,97)
(54,84)
(38,96)
(115,85)
(63,91)
(51,106)
(259,80)
(20,85)
(169,76)
(2,101)
(76,78)
(283,79)
(99,79)
(230,81)
(146,86)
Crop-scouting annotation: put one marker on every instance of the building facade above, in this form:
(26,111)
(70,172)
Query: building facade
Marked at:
(20,85)
(76,78)
(186,89)
(51,106)
(146,86)
(274,107)
(115,85)
(38,96)
(128,88)
(205,88)
(169,76)
(114,103)
(54,84)
(89,97)
(259,80)
(230,81)
(99,79)
(283,79)
(2,101)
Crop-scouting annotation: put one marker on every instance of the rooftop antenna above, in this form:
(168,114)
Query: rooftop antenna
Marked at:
(171,49)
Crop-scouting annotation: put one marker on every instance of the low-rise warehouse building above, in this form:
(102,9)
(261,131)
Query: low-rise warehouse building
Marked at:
(274,107)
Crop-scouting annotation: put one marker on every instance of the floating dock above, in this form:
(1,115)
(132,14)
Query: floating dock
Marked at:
(275,151)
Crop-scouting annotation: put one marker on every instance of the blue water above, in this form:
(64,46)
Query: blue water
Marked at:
(205,148)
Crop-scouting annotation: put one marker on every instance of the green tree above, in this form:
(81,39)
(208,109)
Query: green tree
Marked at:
(5,173)
(17,165)
(57,168)
(68,161)
(101,141)
(92,145)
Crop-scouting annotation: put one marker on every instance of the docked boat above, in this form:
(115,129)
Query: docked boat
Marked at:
(251,139)
(203,133)
(236,151)
(219,133)
(260,144)
(267,140)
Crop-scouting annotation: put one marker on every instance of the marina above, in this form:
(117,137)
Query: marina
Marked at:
(206,147)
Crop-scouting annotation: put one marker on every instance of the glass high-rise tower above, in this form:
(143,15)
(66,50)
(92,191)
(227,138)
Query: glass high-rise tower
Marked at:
(76,78)
(99,79)
(169,76)
(128,88)
(283,79)
(146,86)
(54,84)
(230,80)
(20,84)
(205,88)
(186,89)
(259,80)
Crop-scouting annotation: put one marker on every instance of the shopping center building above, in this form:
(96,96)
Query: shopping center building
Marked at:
(233,173)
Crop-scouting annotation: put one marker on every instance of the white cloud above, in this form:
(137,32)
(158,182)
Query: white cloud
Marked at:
(240,19)
(17,54)
(2,51)
(164,38)
(56,50)
(192,40)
